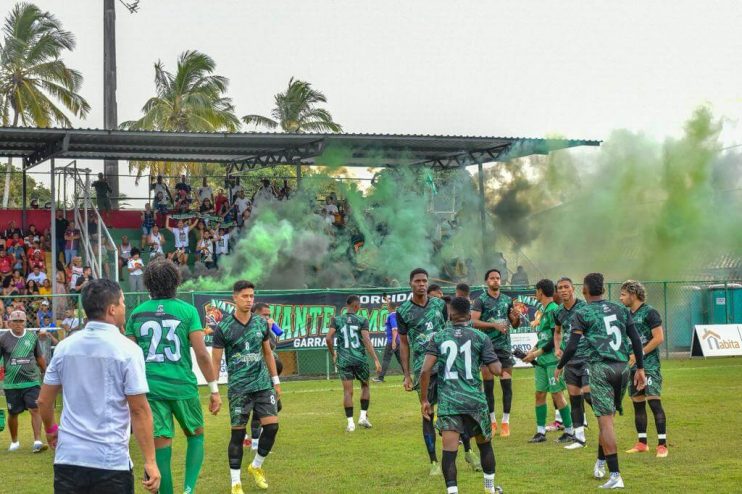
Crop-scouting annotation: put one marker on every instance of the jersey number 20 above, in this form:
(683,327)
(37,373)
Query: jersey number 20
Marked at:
(451,350)
(171,354)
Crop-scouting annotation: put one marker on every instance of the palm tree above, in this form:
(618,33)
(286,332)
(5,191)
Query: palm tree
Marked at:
(191,100)
(296,111)
(33,77)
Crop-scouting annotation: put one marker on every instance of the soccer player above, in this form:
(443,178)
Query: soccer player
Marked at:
(575,372)
(350,358)
(253,384)
(605,326)
(649,326)
(545,365)
(494,314)
(458,351)
(23,357)
(435,291)
(418,319)
(166,329)
(463,290)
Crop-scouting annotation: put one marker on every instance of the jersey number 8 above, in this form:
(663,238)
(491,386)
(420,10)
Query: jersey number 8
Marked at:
(171,354)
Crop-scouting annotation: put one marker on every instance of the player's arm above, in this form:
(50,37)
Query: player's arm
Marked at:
(430,360)
(369,346)
(569,352)
(558,339)
(476,320)
(404,352)
(489,358)
(640,378)
(270,362)
(204,364)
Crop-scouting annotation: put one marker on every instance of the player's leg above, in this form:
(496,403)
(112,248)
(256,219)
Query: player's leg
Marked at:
(556,388)
(558,423)
(13,429)
(189,415)
(429,434)
(266,408)
(488,464)
(348,403)
(488,383)
(616,377)
(450,440)
(239,413)
(541,383)
(660,421)
(162,425)
(365,401)
(578,411)
(638,399)
(506,383)
(469,455)
(254,432)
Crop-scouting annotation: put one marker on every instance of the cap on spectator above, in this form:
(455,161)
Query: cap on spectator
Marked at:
(44,302)
(17,315)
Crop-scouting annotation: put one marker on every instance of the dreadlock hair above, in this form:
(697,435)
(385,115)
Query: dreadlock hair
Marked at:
(161,278)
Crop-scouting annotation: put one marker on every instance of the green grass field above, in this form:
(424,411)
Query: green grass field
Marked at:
(313,454)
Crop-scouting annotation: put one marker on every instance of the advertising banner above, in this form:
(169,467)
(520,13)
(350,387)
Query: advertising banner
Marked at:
(717,340)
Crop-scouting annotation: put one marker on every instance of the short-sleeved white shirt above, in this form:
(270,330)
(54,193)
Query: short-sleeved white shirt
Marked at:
(97,370)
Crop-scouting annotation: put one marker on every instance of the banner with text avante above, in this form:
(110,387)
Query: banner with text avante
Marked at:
(305,317)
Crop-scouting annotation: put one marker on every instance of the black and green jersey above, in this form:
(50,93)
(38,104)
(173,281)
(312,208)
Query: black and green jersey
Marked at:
(350,350)
(563,319)
(646,318)
(460,351)
(604,327)
(495,309)
(243,348)
(419,323)
(162,329)
(545,334)
(19,354)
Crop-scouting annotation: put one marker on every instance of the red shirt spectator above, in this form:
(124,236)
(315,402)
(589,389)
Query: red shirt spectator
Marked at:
(219,201)
(37,261)
(6,263)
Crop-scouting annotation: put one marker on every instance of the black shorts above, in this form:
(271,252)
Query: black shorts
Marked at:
(73,479)
(432,390)
(261,403)
(23,399)
(577,374)
(505,357)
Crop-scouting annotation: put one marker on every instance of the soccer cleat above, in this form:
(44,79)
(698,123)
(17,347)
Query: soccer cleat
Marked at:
(565,438)
(554,426)
(258,475)
(494,428)
(14,446)
(473,460)
(38,447)
(638,448)
(599,469)
(504,430)
(576,444)
(662,451)
(364,423)
(378,379)
(496,490)
(614,482)
(538,438)
(350,427)
(237,489)
(435,469)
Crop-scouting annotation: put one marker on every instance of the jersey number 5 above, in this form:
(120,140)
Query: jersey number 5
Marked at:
(171,354)
(612,331)
(451,350)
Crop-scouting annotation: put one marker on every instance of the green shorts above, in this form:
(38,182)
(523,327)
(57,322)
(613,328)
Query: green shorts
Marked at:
(608,383)
(188,413)
(545,382)
(469,424)
(261,403)
(654,383)
(354,371)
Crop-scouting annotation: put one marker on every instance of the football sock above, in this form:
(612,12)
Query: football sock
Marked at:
(255,428)
(489,482)
(162,458)
(489,394)
(429,438)
(487,455)
(349,412)
(578,413)
(601,455)
(452,490)
(448,465)
(235,450)
(364,405)
(257,462)
(363,415)
(267,438)
(659,421)
(640,420)
(507,395)
(580,433)
(235,476)
(566,413)
(194,460)
(612,461)
(557,414)
(588,398)
(466,442)
(541,418)
(505,418)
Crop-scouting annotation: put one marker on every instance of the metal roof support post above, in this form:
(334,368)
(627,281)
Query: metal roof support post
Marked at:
(298,177)
(55,254)
(24,193)
(482,212)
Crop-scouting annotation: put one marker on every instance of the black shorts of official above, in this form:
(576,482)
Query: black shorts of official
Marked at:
(22,399)
(577,374)
(73,479)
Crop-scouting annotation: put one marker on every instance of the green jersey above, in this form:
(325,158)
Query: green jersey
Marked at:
(545,334)
(19,354)
(350,350)
(460,351)
(495,309)
(243,348)
(604,327)
(162,329)
(420,323)
(563,319)
(646,318)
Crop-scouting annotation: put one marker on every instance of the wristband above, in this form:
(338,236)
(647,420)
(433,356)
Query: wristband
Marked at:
(214,387)
(275,380)
(53,429)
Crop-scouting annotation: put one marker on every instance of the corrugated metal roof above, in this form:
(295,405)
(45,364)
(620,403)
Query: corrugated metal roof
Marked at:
(34,145)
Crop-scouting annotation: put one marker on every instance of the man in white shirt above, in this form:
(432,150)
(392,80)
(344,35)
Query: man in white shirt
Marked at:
(104,391)
(37,275)
(241,202)
(70,323)
(205,192)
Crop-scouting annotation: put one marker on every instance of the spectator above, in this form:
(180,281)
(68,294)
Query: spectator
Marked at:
(265,193)
(61,225)
(135,266)
(245,217)
(102,190)
(241,202)
(330,205)
(71,243)
(6,264)
(392,340)
(92,444)
(222,243)
(18,284)
(124,253)
(70,323)
(36,275)
(33,233)
(75,272)
(37,261)
(183,186)
(162,206)
(236,188)
(82,281)
(44,311)
(206,250)
(220,201)
(155,241)
(32,288)
(180,234)
(46,287)
(148,221)
(12,230)
(520,277)
(206,207)
(161,187)
(93,227)
(182,201)
(23,359)
(18,253)
(502,264)
(285,192)
(204,192)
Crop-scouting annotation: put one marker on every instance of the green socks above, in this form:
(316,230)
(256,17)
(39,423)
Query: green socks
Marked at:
(162,457)
(194,460)
(541,415)
(566,414)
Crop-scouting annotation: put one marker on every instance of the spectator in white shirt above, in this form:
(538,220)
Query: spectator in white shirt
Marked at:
(70,323)
(180,233)
(36,275)
(104,392)
(156,240)
(204,192)
(330,205)
(135,266)
(242,203)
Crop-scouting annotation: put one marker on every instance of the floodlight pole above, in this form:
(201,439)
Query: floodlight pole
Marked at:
(298,177)
(24,192)
(110,114)
(482,213)
(53,230)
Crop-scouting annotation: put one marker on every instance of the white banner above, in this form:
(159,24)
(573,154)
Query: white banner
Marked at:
(717,340)
(200,377)
(523,341)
